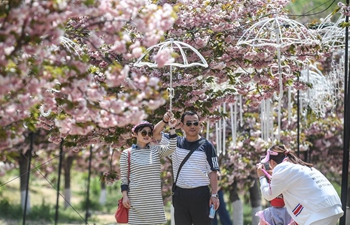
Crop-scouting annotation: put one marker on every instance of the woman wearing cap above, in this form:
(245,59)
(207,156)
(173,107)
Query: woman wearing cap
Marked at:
(309,197)
(142,193)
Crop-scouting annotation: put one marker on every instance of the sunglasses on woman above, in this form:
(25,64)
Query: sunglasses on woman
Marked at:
(144,133)
(196,123)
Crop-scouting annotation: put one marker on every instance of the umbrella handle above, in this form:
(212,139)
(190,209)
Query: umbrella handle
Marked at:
(171,92)
(171,96)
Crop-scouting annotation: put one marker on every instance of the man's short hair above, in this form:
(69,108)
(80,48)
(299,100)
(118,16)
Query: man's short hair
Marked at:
(191,113)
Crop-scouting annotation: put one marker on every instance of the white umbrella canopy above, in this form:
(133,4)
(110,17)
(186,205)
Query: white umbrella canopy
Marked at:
(278,32)
(332,35)
(172,48)
(175,47)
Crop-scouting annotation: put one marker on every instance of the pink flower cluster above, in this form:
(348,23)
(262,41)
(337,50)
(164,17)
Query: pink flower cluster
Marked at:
(345,9)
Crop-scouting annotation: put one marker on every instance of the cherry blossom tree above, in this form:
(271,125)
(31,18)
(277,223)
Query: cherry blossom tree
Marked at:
(52,64)
(65,70)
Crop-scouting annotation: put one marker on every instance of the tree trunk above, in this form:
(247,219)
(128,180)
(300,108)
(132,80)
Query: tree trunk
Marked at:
(23,166)
(67,166)
(172,214)
(237,206)
(103,194)
(255,201)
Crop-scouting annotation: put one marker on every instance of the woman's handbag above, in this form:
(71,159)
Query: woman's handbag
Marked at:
(122,213)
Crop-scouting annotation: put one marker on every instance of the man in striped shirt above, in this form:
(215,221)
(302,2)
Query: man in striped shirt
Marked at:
(192,197)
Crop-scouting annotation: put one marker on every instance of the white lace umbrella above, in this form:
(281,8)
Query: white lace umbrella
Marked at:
(321,95)
(333,34)
(277,32)
(174,47)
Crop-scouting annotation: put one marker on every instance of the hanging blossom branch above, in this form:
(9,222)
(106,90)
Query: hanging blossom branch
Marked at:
(111,176)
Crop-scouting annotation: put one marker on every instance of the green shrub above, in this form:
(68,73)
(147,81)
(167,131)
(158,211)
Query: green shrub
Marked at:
(93,204)
(41,212)
(95,186)
(9,211)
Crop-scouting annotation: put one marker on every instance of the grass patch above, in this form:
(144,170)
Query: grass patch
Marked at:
(42,213)
(43,197)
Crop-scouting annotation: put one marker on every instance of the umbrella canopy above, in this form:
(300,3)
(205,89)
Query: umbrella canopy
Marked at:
(278,32)
(171,47)
(174,47)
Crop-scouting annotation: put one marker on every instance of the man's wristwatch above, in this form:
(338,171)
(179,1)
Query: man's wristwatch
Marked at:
(214,195)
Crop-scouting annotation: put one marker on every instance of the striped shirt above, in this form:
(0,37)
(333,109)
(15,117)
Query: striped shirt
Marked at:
(145,185)
(194,172)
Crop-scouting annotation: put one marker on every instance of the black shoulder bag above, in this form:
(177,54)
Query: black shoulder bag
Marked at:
(178,171)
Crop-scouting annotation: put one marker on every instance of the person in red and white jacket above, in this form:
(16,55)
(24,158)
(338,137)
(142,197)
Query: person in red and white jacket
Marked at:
(309,197)
(276,214)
